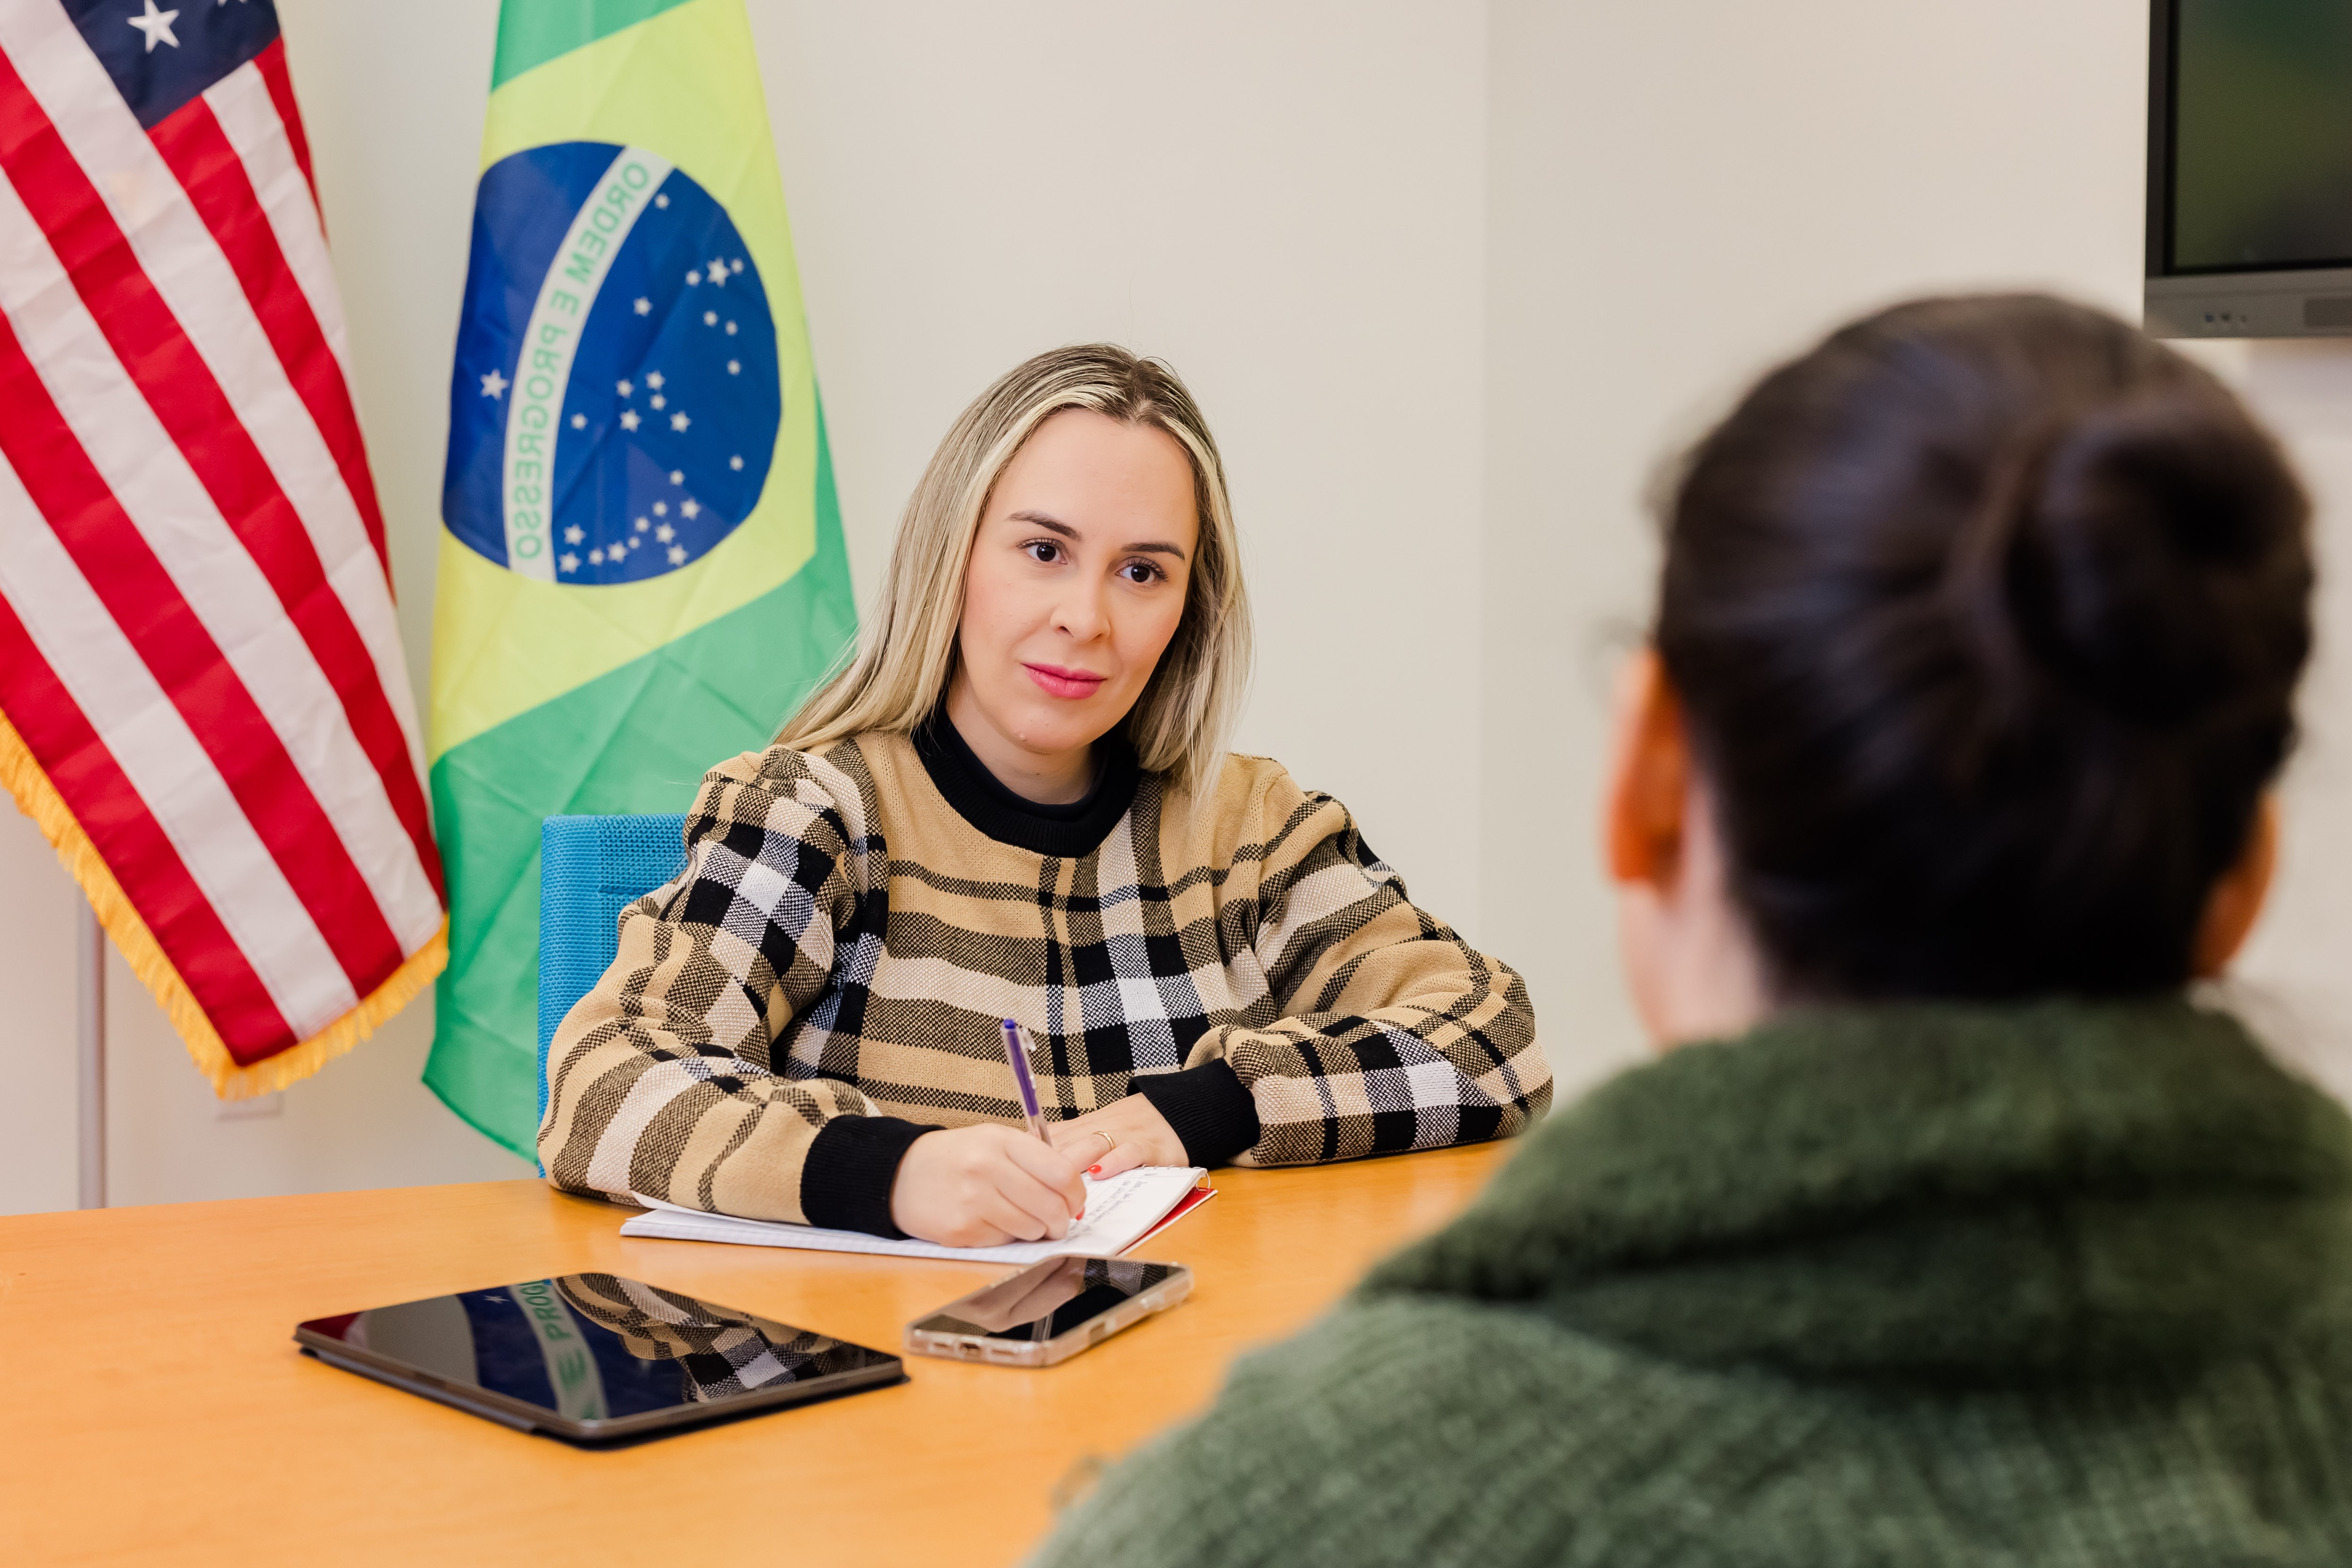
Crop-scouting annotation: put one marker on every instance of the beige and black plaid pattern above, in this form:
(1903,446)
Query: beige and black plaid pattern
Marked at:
(723,1353)
(842,943)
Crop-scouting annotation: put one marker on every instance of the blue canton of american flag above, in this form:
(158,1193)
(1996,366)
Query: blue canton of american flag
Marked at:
(205,701)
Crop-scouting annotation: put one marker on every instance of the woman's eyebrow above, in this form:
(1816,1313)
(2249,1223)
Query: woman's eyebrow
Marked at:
(1055,525)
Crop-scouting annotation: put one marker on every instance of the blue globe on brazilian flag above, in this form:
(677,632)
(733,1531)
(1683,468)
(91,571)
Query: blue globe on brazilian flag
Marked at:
(642,568)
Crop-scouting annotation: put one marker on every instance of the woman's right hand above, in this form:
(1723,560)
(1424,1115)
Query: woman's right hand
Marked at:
(984,1185)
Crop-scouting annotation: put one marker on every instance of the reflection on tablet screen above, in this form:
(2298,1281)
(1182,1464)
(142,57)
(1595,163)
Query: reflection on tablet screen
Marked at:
(595,1347)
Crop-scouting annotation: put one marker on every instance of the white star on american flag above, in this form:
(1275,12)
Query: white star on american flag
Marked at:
(719,271)
(642,525)
(690,508)
(678,421)
(655,381)
(624,388)
(629,420)
(574,534)
(665,533)
(157,26)
(645,306)
(678,554)
(570,561)
(494,385)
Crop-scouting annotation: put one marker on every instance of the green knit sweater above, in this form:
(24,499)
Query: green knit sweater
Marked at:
(2065,1284)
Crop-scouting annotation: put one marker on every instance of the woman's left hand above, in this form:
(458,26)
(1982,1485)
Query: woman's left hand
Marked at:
(1138,1135)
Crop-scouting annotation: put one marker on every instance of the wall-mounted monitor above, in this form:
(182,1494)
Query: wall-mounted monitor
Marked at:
(2250,168)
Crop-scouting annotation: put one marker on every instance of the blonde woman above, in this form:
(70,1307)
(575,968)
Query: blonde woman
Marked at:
(1016,804)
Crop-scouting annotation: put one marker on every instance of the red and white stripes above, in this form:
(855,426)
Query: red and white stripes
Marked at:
(197,643)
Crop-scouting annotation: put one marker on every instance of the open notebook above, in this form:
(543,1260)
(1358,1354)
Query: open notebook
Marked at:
(1121,1211)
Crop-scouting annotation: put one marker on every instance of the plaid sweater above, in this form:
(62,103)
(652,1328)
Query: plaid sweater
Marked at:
(822,982)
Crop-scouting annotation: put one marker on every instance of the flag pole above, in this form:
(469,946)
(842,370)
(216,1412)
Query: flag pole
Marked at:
(91,945)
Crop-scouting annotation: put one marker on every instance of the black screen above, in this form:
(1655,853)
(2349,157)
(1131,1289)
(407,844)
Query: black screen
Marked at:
(2260,135)
(595,1347)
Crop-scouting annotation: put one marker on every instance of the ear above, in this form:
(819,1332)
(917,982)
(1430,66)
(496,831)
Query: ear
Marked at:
(1649,777)
(2236,900)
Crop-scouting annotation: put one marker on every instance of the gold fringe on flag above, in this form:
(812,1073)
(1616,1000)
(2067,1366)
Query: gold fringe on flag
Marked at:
(39,800)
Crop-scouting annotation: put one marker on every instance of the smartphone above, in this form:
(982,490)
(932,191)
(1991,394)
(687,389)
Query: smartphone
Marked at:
(1050,1312)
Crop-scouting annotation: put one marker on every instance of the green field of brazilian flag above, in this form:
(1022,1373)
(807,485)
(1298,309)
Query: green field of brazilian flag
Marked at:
(642,568)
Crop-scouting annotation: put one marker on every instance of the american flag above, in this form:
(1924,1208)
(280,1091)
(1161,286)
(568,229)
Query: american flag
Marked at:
(202,694)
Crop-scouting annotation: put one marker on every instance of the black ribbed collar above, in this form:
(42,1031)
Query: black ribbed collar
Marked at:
(1987,1194)
(1070,831)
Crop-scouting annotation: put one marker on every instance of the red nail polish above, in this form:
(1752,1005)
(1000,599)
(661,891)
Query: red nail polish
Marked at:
(1094,1170)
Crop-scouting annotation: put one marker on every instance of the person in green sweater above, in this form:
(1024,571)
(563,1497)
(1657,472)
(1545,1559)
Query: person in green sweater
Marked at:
(1947,1227)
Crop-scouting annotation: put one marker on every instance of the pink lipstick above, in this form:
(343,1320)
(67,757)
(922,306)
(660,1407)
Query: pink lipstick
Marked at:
(1055,682)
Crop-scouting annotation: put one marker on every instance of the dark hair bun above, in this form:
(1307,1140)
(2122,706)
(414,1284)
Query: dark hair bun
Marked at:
(1988,613)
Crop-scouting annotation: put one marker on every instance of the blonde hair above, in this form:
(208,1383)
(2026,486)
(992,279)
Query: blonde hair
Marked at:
(907,654)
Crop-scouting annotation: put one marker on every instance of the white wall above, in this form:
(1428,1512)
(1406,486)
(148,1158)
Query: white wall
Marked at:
(1679,195)
(1449,280)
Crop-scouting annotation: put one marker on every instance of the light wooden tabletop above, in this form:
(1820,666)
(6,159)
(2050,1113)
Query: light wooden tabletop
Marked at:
(153,1407)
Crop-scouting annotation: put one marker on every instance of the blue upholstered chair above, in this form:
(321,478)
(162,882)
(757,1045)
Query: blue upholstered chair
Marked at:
(589,867)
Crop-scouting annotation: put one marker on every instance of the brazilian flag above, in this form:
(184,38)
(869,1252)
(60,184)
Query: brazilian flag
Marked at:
(643,570)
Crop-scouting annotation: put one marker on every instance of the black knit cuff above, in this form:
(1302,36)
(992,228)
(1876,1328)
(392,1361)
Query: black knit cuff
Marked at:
(851,1165)
(1210,1108)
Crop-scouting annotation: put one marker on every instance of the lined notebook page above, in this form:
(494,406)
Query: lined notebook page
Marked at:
(1118,1212)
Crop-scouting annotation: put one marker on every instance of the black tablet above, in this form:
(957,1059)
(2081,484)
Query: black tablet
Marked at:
(594,1358)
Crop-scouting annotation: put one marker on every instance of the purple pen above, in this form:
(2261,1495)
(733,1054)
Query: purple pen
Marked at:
(1017,1051)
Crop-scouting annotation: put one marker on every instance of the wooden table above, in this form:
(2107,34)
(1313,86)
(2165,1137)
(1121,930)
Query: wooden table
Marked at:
(153,1407)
